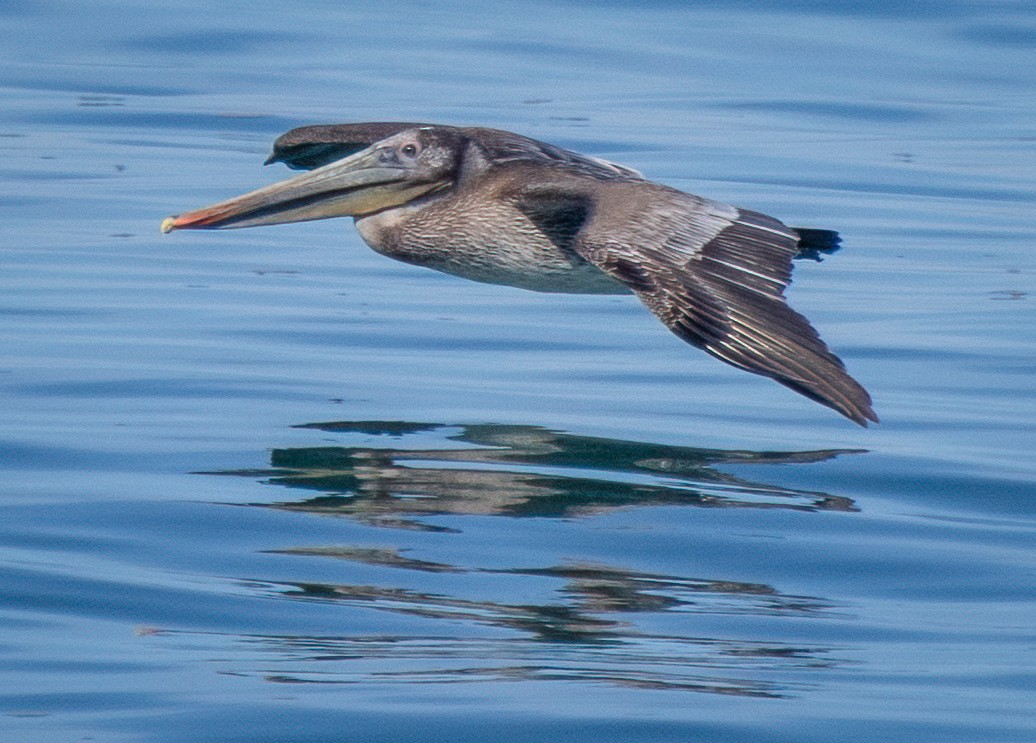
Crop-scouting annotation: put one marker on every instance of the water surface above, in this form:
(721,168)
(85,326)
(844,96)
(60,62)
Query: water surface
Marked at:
(266,485)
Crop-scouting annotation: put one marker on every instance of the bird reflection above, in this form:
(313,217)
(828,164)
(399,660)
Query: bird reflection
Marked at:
(519,470)
(588,635)
(576,621)
(588,588)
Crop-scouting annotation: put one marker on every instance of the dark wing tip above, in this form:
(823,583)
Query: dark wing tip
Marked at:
(777,342)
(719,284)
(834,388)
(764,334)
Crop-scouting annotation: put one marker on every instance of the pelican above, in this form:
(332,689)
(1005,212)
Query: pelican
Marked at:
(497,207)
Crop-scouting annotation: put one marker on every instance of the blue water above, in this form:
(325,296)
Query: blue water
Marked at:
(265,485)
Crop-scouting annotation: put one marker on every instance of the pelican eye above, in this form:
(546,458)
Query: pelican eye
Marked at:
(410,149)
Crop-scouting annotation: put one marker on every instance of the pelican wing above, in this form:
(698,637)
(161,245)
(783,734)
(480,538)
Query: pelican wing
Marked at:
(309,147)
(502,147)
(713,273)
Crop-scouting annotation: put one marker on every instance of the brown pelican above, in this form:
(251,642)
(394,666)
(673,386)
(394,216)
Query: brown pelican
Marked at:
(501,208)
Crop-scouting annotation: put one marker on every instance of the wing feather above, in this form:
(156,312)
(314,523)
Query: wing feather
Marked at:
(716,275)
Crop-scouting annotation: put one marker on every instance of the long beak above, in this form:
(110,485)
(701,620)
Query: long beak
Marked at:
(360,184)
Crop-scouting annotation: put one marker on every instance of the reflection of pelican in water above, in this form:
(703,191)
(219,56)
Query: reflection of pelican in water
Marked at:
(493,206)
(587,632)
(513,470)
(456,618)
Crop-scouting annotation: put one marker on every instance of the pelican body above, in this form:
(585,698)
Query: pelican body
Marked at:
(497,207)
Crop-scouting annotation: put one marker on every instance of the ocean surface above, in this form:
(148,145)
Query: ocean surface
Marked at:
(266,485)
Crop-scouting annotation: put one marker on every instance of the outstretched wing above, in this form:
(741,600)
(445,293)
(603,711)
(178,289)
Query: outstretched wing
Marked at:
(715,275)
(309,147)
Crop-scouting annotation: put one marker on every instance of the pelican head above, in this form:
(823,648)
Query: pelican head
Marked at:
(391,172)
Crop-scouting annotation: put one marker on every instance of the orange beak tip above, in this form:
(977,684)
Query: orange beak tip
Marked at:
(168,225)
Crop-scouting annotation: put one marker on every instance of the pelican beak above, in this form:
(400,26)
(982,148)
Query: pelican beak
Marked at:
(366,182)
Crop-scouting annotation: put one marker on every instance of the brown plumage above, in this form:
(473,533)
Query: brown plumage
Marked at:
(501,208)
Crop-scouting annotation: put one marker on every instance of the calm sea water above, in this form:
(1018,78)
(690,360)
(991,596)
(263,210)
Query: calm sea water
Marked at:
(265,485)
